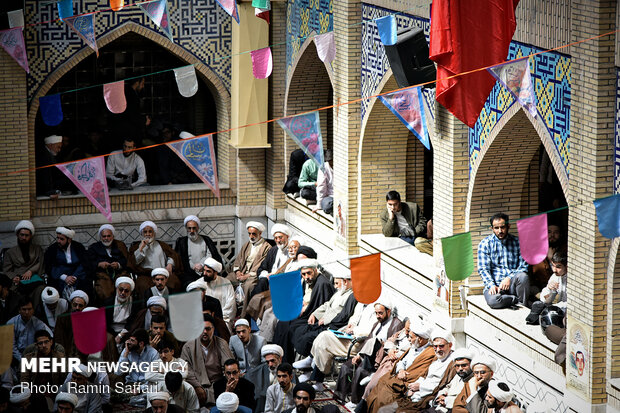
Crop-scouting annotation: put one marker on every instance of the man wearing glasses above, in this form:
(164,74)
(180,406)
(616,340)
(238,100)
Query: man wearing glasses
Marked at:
(234,383)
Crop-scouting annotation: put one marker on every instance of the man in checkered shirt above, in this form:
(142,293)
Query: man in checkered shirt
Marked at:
(501,267)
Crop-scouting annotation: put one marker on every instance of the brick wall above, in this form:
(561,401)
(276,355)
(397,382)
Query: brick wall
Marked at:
(251,177)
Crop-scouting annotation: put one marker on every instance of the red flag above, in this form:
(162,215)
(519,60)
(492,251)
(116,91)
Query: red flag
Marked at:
(467,35)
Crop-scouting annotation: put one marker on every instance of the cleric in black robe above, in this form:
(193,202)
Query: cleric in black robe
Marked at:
(317,290)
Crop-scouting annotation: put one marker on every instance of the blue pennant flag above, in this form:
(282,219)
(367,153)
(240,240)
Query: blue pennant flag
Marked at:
(387,29)
(608,216)
(305,130)
(51,110)
(286,295)
(84,26)
(65,9)
(199,155)
(408,106)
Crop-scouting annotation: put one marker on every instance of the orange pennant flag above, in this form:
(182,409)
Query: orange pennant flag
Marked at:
(116,5)
(366,278)
(6,347)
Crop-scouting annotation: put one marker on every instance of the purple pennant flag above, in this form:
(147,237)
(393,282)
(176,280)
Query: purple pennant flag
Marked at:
(51,110)
(157,10)
(305,130)
(12,40)
(89,330)
(608,216)
(516,77)
(262,63)
(84,26)
(230,6)
(199,155)
(408,106)
(533,238)
(89,176)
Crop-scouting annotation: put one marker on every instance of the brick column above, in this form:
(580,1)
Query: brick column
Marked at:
(591,168)
(16,152)
(347,118)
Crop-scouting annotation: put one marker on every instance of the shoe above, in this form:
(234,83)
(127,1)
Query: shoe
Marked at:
(318,386)
(351,406)
(303,364)
(304,377)
(365,380)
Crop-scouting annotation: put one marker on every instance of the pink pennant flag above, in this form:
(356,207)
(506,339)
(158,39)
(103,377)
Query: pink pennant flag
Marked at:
(89,177)
(325,46)
(261,63)
(89,330)
(533,238)
(114,95)
(12,40)
(230,6)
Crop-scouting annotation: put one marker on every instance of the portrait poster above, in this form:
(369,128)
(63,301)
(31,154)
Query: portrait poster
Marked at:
(578,358)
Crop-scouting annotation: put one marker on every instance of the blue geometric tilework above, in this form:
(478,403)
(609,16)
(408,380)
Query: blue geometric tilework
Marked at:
(202,28)
(302,18)
(374,61)
(617,156)
(551,73)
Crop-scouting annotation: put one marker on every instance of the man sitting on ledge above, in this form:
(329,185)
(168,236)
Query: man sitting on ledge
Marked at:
(403,220)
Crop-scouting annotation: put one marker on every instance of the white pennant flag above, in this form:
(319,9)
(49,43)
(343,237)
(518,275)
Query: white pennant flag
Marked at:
(186,318)
(516,77)
(16,18)
(325,46)
(186,80)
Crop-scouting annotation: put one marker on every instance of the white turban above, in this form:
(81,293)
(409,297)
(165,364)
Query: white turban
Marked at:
(69,233)
(185,135)
(345,274)
(281,228)
(87,309)
(50,295)
(19,394)
(441,333)
(463,353)
(242,322)
(199,284)
(255,224)
(191,218)
(271,349)
(68,398)
(227,402)
(213,264)
(490,363)
(79,294)
(148,224)
(108,227)
(499,394)
(384,301)
(307,263)
(300,240)
(125,280)
(420,328)
(82,370)
(159,395)
(156,300)
(160,271)
(52,139)
(24,224)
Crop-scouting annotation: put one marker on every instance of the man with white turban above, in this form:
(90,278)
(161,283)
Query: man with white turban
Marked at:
(473,395)
(160,403)
(121,309)
(66,402)
(65,264)
(63,331)
(499,398)
(220,288)
(50,181)
(19,399)
(107,259)
(160,288)
(88,401)
(151,253)
(264,375)
(277,258)
(51,306)
(246,346)
(23,263)
(194,249)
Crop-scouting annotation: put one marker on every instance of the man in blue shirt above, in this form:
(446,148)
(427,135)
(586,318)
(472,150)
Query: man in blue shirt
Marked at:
(501,267)
(137,351)
(25,324)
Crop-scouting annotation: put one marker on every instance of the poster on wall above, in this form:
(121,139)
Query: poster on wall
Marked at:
(341,221)
(578,358)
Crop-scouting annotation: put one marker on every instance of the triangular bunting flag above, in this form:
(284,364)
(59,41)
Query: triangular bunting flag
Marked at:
(114,96)
(408,106)
(199,155)
(305,130)
(157,10)
(186,317)
(84,26)
(186,80)
(608,216)
(16,18)
(286,295)
(262,14)
(89,330)
(262,63)
(88,175)
(325,46)
(387,29)
(366,278)
(261,4)
(533,238)
(51,109)
(65,9)
(117,5)
(458,256)
(12,40)
(230,7)
(517,78)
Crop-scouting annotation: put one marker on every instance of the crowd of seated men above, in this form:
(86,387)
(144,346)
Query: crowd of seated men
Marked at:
(246,359)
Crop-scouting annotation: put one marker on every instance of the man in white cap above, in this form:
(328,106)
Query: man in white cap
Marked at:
(124,165)
(49,180)
(23,263)
(66,402)
(160,403)
(264,375)
(246,346)
(88,401)
(121,309)
(107,259)
(151,253)
(220,288)
(51,306)
(499,398)
(473,395)
(65,264)
(193,249)
(249,259)
(160,288)
(228,402)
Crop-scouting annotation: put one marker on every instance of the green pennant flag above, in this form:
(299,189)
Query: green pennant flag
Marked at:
(458,256)
(261,4)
